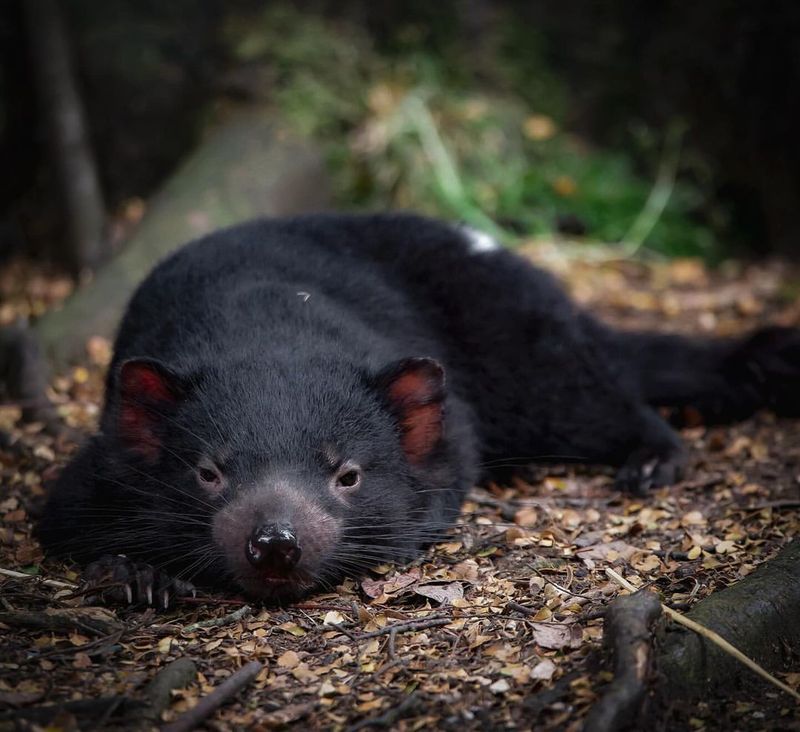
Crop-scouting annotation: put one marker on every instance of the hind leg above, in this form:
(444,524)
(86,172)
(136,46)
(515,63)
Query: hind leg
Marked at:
(607,425)
(560,397)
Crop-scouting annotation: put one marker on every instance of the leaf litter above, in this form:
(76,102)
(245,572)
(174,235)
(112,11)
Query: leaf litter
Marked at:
(498,627)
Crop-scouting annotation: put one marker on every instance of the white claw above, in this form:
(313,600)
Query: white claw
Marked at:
(129,593)
(165,599)
(149,594)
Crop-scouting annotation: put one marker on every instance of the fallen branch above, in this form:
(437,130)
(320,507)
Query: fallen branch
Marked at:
(408,627)
(209,704)
(47,582)
(92,620)
(228,619)
(628,631)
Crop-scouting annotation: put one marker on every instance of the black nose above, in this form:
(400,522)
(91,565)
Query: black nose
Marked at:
(273,547)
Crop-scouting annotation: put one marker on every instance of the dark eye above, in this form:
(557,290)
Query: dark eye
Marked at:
(349,477)
(209,476)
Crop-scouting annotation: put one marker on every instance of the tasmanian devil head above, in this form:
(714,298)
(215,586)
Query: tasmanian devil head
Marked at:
(281,479)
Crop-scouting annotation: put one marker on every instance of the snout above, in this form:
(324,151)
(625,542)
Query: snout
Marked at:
(276,538)
(274,549)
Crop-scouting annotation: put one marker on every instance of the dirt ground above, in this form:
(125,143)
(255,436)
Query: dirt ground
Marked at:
(498,628)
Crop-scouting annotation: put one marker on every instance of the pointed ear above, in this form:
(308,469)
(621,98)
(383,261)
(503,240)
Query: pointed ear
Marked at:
(147,391)
(415,391)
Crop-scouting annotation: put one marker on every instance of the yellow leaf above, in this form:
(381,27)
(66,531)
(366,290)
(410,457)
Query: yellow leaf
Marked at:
(292,628)
(543,614)
(80,375)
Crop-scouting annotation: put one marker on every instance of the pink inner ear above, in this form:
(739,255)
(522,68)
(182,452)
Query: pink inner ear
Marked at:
(417,395)
(144,391)
(422,430)
(143,381)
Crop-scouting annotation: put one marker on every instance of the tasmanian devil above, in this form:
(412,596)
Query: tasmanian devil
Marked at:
(294,400)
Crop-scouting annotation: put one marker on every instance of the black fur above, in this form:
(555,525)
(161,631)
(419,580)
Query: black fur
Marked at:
(279,341)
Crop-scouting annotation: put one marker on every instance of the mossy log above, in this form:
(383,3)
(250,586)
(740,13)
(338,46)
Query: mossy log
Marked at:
(760,615)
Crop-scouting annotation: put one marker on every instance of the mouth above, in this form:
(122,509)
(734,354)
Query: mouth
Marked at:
(275,581)
(268,586)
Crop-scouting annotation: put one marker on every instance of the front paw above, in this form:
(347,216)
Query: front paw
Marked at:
(647,468)
(117,579)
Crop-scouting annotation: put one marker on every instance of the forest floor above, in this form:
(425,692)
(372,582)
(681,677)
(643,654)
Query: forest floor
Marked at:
(498,628)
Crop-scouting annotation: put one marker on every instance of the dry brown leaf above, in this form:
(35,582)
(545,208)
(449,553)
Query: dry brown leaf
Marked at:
(443,594)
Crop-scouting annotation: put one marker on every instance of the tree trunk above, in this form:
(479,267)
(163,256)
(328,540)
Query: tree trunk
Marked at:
(67,135)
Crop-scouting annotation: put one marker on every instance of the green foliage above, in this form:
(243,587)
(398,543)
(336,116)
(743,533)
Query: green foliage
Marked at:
(409,129)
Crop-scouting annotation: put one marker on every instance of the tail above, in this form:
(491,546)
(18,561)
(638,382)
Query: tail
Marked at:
(723,380)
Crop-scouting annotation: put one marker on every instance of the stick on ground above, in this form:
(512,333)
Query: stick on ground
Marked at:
(209,704)
(628,630)
(408,627)
(228,619)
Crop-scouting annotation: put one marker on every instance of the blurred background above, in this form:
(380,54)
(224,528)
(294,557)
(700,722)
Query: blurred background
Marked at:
(662,127)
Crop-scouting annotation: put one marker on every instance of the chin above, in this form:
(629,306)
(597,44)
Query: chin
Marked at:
(270,589)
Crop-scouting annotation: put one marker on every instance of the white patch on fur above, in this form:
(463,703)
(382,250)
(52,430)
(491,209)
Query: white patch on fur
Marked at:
(479,242)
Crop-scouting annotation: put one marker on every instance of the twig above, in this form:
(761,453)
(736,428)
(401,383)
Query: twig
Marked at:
(393,644)
(408,627)
(320,606)
(209,704)
(49,582)
(785,503)
(710,635)
(520,608)
(212,600)
(228,619)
